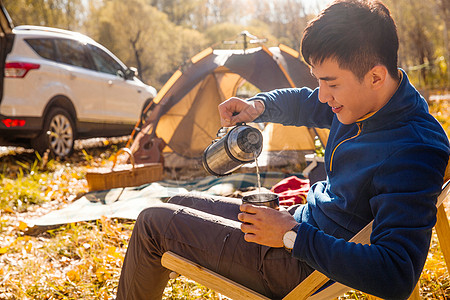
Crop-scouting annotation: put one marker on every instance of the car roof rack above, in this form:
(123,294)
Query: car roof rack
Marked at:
(51,29)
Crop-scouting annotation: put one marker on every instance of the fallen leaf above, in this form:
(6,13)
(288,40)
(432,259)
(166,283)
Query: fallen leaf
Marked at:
(28,247)
(100,273)
(22,226)
(73,275)
(8,210)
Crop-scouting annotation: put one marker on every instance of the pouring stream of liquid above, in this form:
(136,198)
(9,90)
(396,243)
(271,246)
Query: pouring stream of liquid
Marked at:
(258,176)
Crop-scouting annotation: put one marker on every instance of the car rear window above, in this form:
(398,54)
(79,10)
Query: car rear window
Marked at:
(73,53)
(43,47)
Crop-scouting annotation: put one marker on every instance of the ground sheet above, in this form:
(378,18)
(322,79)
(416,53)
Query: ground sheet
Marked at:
(130,201)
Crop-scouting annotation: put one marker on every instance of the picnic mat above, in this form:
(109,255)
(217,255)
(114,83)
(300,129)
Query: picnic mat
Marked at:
(128,202)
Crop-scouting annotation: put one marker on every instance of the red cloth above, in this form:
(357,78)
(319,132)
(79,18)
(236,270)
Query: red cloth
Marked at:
(291,190)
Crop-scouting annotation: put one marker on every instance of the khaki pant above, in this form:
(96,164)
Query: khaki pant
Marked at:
(205,230)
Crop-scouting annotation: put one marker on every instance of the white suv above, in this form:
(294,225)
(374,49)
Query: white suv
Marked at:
(60,86)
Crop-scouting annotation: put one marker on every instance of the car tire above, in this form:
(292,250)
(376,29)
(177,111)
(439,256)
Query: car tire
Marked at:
(58,134)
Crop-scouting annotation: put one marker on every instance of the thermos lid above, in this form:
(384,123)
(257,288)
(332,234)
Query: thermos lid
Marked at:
(245,143)
(249,140)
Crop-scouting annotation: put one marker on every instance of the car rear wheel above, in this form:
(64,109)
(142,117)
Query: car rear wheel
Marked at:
(58,134)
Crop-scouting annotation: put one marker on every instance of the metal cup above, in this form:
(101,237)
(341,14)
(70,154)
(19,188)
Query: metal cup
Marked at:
(262,199)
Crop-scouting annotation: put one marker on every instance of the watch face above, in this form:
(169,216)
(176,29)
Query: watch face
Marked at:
(289,239)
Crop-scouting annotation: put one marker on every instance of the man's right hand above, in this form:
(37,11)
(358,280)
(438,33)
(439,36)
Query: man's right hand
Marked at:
(236,110)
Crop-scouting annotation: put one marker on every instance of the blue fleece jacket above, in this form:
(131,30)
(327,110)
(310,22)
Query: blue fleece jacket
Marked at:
(387,167)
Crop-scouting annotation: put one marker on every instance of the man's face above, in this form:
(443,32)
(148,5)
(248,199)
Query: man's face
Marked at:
(349,98)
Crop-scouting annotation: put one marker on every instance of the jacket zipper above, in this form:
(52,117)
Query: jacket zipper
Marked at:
(350,138)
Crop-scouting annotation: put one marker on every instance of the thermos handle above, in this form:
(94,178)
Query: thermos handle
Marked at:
(222,132)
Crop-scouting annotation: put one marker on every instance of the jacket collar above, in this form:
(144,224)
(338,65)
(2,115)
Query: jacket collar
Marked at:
(402,103)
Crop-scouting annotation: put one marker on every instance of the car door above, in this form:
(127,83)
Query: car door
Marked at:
(124,99)
(6,42)
(84,87)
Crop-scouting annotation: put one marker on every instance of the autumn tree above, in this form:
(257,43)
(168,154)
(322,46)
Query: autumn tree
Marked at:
(144,37)
(444,9)
(179,12)
(65,14)
(157,36)
(286,18)
(202,14)
(421,28)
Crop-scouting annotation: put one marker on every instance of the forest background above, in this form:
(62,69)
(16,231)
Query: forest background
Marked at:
(157,36)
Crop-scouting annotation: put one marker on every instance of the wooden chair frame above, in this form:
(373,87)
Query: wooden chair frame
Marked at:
(307,288)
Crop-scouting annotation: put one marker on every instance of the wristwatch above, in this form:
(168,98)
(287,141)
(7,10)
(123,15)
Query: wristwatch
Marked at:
(289,237)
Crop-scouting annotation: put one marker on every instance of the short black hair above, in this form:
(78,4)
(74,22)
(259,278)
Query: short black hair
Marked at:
(358,34)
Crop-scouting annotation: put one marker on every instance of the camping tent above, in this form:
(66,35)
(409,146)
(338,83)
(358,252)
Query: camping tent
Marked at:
(184,113)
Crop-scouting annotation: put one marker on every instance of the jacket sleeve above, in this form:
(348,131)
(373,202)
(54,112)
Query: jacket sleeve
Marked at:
(293,106)
(405,189)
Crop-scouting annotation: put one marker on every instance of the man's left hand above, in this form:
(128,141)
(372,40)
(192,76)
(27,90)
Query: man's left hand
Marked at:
(264,225)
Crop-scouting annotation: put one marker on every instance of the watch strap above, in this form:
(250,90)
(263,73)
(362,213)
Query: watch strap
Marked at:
(296,228)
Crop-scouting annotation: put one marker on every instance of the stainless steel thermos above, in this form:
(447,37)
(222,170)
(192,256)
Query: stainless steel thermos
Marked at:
(241,145)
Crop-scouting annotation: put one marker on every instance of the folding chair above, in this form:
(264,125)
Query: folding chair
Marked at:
(307,288)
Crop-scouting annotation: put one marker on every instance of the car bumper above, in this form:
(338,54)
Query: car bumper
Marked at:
(11,135)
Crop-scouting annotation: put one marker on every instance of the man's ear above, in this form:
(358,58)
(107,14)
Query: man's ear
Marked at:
(377,76)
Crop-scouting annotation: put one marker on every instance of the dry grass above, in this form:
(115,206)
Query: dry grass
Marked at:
(74,261)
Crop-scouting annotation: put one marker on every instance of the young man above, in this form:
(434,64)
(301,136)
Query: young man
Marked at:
(385,161)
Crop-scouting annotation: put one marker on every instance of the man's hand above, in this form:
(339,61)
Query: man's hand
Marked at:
(264,225)
(236,110)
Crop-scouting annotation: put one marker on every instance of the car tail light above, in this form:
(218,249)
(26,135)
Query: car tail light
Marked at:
(13,122)
(19,69)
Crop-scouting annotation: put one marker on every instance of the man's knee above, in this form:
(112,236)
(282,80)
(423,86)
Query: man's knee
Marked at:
(156,216)
(181,198)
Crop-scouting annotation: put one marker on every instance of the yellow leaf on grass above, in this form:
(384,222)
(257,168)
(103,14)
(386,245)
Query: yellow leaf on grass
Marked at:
(103,295)
(3,250)
(8,210)
(22,226)
(73,275)
(426,276)
(100,273)
(28,247)
(112,253)
(111,250)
